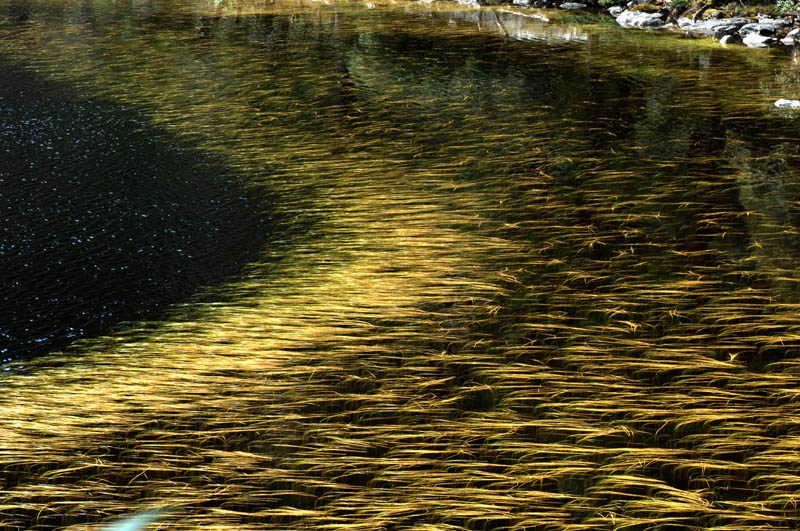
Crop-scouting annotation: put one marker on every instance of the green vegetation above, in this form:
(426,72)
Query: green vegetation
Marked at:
(788,6)
(646,8)
(679,5)
(778,8)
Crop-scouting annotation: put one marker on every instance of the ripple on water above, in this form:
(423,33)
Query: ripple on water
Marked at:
(548,286)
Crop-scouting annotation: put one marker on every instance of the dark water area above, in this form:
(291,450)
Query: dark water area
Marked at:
(105,219)
(419,266)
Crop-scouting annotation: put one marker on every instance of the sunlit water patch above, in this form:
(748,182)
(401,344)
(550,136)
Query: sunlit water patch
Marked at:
(528,276)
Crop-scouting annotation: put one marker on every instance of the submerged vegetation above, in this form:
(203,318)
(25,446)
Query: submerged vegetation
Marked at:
(543,284)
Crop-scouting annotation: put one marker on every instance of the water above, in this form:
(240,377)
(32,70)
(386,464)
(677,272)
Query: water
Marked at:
(102,221)
(468,270)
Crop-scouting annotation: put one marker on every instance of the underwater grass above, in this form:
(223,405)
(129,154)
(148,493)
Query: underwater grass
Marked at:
(500,308)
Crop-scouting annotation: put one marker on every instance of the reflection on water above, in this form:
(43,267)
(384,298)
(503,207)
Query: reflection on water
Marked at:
(521,24)
(518,281)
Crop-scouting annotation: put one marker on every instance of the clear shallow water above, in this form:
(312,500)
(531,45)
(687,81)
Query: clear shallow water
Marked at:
(513,274)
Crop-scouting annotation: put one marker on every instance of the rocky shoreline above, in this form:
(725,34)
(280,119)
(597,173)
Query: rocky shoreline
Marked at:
(756,31)
(696,19)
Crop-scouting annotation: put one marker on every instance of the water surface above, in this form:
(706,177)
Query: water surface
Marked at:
(106,220)
(524,275)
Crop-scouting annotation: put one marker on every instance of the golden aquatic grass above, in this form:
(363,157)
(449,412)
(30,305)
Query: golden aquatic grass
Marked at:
(490,312)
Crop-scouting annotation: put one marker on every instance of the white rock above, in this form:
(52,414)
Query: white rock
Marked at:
(754,40)
(716,27)
(761,29)
(788,104)
(638,19)
(615,11)
(727,39)
(780,22)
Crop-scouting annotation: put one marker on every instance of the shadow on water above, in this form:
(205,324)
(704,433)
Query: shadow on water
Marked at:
(106,219)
